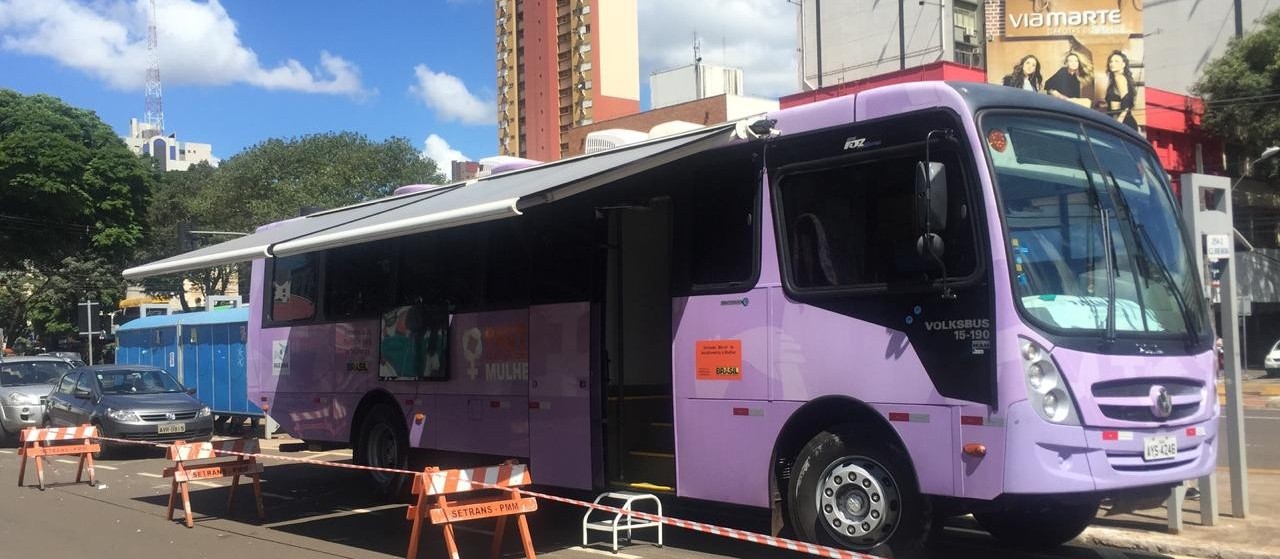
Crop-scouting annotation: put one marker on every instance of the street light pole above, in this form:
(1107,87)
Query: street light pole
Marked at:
(942,35)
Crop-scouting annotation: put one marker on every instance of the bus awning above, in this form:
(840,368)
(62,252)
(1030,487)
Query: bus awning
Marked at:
(488,198)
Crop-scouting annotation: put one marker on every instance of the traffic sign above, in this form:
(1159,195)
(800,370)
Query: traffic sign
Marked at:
(1218,247)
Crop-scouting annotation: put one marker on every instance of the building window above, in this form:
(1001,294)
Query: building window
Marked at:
(966,23)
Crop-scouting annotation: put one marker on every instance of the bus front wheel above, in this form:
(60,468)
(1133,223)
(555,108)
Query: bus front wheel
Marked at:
(852,491)
(1039,527)
(383,442)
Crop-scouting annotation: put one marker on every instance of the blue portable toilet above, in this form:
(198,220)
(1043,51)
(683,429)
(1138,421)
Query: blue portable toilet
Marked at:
(205,350)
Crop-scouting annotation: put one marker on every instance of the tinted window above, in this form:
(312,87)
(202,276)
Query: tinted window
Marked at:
(31,372)
(852,225)
(137,382)
(359,280)
(67,383)
(294,286)
(720,220)
(85,382)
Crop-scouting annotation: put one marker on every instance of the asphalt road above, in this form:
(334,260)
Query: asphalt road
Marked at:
(1262,439)
(319,512)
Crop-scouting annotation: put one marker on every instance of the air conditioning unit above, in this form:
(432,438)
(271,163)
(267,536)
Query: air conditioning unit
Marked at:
(602,140)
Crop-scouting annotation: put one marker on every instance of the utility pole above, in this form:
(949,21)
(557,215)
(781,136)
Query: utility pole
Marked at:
(88,316)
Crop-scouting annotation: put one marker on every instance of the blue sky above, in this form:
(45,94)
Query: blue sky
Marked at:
(236,72)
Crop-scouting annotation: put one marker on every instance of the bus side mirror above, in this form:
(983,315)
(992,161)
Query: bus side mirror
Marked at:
(931,197)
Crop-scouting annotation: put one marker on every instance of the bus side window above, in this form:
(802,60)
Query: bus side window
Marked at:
(359,280)
(294,287)
(851,226)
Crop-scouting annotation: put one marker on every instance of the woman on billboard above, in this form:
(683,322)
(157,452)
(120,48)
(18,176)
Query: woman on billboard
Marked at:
(1073,81)
(1026,75)
(1121,91)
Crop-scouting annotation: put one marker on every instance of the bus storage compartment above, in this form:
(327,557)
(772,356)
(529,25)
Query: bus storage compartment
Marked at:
(482,424)
(560,388)
(724,447)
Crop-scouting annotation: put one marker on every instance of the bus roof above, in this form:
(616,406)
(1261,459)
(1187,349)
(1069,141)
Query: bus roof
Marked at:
(228,316)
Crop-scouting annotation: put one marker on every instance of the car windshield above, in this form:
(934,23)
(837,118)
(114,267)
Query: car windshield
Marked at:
(1093,234)
(137,382)
(31,372)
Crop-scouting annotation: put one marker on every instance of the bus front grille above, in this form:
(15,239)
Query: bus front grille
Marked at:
(1134,400)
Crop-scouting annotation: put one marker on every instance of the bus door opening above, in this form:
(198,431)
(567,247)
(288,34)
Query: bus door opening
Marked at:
(639,436)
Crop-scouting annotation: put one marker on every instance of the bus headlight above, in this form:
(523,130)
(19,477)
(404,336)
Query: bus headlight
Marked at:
(1046,388)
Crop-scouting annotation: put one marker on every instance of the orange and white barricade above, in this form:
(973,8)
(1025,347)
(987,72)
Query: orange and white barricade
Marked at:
(210,464)
(440,483)
(38,443)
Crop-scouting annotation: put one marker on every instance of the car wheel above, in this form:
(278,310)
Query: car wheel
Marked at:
(383,442)
(1039,527)
(852,491)
(107,450)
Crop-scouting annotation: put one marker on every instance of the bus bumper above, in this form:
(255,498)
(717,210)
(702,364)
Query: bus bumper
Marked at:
(1042,458)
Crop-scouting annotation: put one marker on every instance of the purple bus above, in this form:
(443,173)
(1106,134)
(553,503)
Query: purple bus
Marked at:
(862,315)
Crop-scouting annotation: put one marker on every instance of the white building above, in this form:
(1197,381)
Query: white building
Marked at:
(174,154)
(692,82)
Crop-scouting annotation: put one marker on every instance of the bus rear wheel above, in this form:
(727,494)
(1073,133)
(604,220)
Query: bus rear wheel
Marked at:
(852,491)
(383,442)
(1041,526)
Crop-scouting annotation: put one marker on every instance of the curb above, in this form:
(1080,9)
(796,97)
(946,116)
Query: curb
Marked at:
(1169,544)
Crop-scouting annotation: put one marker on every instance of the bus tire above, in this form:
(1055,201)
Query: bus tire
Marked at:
(1038,527)
(383,442)
(853,491)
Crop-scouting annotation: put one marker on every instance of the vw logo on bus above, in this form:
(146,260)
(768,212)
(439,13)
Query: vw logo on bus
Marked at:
(1161,402)
(170,416)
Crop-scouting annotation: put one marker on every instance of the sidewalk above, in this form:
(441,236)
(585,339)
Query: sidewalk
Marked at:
(1253,537)
(1259,391)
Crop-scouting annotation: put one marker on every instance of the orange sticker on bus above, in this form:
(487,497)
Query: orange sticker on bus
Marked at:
(718,360)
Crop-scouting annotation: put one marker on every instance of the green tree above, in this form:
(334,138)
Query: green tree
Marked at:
(269,182)
(273,180)
(1242,92)
(70,185)
(72,212)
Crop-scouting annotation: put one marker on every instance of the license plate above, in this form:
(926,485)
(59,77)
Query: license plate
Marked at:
(1159,448)
(171,428)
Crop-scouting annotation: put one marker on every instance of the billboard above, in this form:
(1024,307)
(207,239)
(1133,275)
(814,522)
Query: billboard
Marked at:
(1088,52)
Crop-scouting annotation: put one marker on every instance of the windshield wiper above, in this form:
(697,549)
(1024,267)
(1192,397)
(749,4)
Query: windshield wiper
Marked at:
(1107,248)
(1149,248)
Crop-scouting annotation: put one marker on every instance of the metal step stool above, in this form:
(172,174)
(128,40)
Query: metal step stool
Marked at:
(622,521)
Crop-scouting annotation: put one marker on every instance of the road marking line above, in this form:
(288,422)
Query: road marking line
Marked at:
(340,514)
(278,496)
(595,551)
(206,484)
(7,451)
(101,467)
(149,474)
(65,461)
(330,453)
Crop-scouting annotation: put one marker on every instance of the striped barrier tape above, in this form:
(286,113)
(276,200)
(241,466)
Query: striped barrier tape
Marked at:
(741,535)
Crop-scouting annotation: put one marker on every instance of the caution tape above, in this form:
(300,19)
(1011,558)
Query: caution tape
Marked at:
(742,535)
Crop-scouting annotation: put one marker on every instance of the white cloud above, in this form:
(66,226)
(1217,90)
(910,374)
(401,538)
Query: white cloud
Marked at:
(755,35)
(199,44)
(439,151)
(449,97)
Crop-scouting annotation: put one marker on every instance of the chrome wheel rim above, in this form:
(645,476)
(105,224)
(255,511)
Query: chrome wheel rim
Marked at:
(859,502)
(382,450)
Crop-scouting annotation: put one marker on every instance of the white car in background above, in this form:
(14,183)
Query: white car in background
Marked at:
(1272,361)
(25,383)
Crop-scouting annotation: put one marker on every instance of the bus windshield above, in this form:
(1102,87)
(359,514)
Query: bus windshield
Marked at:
(1093,233)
